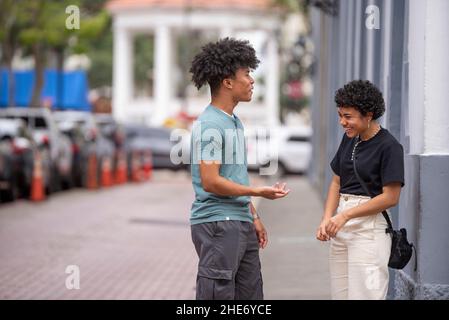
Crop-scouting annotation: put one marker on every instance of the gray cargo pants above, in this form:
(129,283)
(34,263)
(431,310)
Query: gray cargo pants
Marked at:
(229,264)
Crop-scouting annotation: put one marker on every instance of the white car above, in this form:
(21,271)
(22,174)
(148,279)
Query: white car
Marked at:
(279,150)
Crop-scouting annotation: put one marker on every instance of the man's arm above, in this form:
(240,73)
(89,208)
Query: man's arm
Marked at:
(261,232)
(214,183)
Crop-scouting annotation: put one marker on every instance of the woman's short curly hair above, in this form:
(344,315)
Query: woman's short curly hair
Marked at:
(220,60)
(363,96)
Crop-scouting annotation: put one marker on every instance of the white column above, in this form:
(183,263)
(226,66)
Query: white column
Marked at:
(122,74)
(436,126)
(428,76)
(162,76)
(272,82)
(416,32)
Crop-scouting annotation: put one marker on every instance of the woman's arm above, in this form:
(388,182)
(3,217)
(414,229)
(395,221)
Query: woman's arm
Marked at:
(387,199)
(332,200)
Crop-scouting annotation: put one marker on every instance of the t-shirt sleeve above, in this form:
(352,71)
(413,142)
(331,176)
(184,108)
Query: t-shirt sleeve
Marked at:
(392,165)
(335,163)
(207,142)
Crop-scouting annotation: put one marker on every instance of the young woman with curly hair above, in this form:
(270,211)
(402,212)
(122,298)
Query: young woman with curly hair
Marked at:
(226,230)
(360,247)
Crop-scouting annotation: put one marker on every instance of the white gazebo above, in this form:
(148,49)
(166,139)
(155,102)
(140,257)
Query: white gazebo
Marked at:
(255,20)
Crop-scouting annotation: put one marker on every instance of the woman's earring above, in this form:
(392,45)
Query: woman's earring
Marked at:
(369,123)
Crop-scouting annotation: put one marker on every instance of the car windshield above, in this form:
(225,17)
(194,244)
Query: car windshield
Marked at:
(8,128)
(32,121)
(39,122)
(298,139)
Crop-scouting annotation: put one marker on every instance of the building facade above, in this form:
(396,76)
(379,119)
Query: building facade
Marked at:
(401,47)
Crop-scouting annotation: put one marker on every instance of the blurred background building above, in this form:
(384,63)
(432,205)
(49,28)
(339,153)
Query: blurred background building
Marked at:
(169,23)
(400,46)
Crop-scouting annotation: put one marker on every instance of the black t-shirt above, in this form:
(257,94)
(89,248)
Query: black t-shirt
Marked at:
(379,160)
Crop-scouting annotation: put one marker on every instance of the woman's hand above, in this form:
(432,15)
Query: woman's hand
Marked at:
(262,235)
(336,223)
(321,233)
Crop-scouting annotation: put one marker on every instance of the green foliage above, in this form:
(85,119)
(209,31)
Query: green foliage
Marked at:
(100,54)
(28,23)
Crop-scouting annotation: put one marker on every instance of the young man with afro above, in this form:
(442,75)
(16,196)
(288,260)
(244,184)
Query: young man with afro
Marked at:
(226,230)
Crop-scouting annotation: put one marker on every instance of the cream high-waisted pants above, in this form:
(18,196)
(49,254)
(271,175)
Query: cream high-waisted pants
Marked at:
(359,255)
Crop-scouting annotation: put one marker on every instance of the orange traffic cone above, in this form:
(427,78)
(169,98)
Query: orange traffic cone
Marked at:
(37,183)
(92,172)
(106,172)
(148,164)
(136,173)
(121,169)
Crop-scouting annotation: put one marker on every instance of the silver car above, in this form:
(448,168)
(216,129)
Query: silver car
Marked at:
(55,148)
(95,142)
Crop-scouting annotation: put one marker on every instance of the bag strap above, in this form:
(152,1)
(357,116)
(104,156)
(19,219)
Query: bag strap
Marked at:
(365,188)
(384,213)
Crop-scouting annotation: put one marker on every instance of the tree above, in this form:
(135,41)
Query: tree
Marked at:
(45,28)
(39,26)
(11,22)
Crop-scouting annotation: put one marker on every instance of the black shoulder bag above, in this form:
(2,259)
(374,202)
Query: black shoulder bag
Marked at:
(401,249)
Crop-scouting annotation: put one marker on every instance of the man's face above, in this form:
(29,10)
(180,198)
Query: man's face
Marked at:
(242,85)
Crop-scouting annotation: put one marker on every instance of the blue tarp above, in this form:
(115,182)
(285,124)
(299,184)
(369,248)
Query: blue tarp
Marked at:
(3,87)
(74,91)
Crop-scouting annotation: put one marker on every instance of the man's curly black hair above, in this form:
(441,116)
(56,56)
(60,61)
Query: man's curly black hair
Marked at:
(363,96)
(221,60)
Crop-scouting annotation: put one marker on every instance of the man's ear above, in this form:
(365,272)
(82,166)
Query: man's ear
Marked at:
(227,83)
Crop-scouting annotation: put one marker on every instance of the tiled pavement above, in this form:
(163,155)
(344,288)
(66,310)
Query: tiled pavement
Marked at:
(133,242)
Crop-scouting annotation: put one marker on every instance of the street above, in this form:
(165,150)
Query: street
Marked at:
(133,242)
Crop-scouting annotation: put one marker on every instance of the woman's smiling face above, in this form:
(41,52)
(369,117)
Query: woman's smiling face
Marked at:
(352,121)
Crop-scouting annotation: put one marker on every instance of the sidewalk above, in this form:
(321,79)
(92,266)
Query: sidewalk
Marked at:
(133,242)
(294,264)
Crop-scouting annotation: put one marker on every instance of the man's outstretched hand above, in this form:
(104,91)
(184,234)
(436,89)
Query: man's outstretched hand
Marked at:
(277,191)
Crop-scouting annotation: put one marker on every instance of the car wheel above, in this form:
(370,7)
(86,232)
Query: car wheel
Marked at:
(11,194)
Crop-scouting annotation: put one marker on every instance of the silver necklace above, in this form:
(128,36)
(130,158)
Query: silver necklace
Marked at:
(353,150)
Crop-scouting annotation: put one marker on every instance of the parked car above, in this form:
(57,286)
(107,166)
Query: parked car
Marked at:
(80,149)
(110,129)
(257,147)
(289,146)
(54,147)
(16,159)
(141,138)
(86,139)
